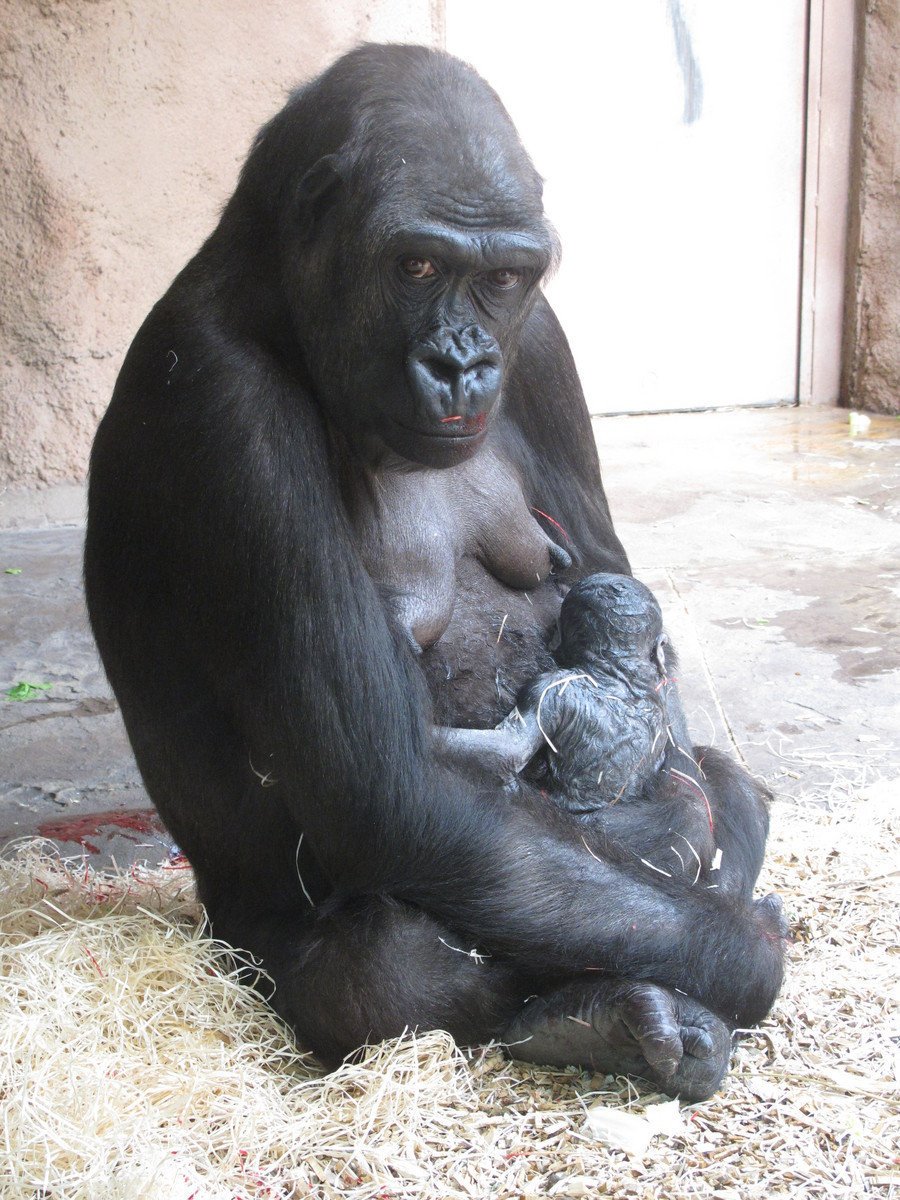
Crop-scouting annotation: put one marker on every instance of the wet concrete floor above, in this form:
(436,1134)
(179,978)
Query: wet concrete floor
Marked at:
(770,536)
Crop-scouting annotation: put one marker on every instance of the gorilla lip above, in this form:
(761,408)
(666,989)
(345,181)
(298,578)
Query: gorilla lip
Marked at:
(453,428)
(461,426)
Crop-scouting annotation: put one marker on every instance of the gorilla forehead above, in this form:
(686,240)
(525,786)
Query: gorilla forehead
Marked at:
(463,186)
(434,141)
(458,176)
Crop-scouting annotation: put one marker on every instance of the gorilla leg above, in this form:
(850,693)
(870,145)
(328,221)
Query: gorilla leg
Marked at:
(740,814)
(636,1027)
(354,974)
(740,817)
(696,806)
(374,967)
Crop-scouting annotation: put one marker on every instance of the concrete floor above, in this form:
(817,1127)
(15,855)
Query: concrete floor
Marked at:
(770,537)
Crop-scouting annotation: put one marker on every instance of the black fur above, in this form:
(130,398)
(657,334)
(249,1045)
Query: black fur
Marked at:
(278,709)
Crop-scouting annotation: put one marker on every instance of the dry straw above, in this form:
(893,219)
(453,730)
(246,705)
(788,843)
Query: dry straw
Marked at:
(133,1065)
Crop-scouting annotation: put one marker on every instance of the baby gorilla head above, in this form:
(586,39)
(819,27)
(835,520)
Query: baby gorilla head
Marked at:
(608,617)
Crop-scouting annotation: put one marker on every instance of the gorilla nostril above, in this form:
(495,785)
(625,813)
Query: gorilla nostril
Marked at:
(482,380)
(442,369)
(482,370)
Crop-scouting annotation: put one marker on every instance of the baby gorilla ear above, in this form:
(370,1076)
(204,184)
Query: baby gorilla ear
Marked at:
(318,189)
(659,653)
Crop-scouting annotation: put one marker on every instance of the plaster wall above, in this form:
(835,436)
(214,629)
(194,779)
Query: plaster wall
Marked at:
(872,329)
(122,127)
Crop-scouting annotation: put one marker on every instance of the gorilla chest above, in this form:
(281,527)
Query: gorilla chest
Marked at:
(496,641)
(465,571)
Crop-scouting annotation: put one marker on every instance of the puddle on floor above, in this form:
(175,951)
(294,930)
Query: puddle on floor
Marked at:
(851,614)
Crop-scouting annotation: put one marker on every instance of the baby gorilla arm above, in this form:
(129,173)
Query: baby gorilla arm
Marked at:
(502,752)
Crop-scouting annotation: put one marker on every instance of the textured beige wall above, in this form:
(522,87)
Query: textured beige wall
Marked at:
(872,327)
(122,127)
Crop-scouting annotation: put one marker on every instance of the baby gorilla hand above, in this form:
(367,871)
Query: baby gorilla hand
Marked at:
(626,1028)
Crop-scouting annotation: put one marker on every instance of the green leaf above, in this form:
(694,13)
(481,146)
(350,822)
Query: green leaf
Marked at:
(13,571)
(26,691)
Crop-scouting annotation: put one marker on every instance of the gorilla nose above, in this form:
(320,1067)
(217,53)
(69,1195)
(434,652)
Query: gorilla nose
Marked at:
(456,372)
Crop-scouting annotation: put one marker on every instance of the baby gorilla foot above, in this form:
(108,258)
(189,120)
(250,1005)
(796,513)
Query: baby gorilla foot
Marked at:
(626,1028)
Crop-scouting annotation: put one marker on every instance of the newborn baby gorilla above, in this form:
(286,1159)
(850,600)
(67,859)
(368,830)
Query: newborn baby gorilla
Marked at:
(607,717)
(619,759)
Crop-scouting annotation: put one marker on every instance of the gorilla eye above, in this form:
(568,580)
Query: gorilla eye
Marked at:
(505,277)
(417,268)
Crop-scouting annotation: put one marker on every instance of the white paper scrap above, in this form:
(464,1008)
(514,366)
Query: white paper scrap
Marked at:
(631,1131)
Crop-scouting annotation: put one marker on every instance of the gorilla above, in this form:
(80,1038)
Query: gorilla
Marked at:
(345,480)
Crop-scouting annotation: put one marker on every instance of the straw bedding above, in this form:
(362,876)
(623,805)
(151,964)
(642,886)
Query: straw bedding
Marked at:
(133,1065)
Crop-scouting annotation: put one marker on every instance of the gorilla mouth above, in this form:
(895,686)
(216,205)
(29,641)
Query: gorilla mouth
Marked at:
(441,444)
(470,426)
(461,429)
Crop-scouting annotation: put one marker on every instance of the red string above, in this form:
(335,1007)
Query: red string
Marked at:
(93,960)
(547,517)
(697,788)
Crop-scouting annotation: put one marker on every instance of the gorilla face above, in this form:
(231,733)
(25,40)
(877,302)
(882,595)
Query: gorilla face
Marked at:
(461,297)
(410,272)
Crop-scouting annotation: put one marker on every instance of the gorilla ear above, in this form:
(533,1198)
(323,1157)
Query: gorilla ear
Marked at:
(317,190)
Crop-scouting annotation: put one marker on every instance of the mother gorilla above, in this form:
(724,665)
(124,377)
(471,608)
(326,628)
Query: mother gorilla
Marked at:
(318,526)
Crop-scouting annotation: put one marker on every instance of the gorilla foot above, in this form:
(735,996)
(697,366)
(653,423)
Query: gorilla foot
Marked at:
(626,1028)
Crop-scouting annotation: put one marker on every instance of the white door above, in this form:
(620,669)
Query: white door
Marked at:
(670,135)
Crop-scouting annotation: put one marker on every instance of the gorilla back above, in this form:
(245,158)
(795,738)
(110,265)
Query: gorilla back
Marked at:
(359,346)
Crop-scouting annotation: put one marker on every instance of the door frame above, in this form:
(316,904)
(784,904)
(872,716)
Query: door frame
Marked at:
(832,54)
